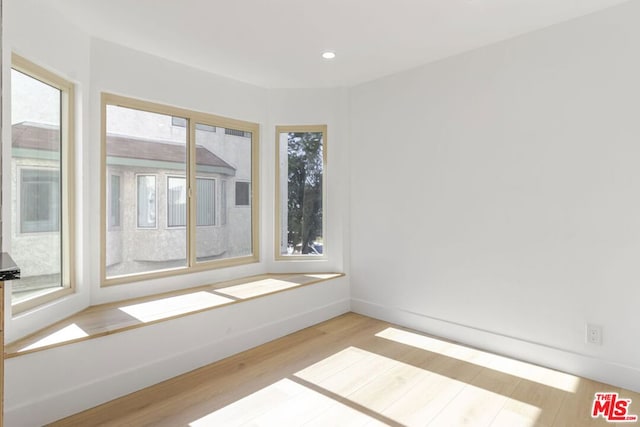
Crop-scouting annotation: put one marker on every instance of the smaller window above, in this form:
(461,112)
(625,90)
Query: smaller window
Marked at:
(301,163)
(114,203)
(235,132)
(206,128)
(147,201)
(243,193)
(206,202)
(176,202)
(39,200)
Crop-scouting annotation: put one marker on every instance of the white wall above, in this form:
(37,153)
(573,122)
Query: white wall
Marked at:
(499,191)
(44,386)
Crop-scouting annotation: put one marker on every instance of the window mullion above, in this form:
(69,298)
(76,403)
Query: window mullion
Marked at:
(191,199)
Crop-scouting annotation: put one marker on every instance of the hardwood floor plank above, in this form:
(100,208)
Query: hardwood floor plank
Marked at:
(346,371)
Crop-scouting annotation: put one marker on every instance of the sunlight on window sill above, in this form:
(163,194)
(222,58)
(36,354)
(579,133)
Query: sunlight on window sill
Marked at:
(68,333)
(257,288)
(544,376)
(174,306)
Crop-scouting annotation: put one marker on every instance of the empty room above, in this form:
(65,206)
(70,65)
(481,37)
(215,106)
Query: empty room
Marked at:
(295,213)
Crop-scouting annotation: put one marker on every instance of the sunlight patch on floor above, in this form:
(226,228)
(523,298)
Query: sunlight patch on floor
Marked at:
(285,403)
(402,392)
(65,334)
(174,306)
(524,370)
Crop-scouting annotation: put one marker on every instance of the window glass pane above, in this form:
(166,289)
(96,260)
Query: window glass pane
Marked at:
(36,208)
(223,155)
(301,168)
(146,151)
(176,202)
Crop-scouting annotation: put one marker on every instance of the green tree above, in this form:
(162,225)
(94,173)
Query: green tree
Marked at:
(305,166)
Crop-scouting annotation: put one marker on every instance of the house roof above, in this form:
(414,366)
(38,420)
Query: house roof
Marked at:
(134,148)
(38,136)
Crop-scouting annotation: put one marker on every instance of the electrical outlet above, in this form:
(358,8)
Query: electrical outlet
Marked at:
(594,334)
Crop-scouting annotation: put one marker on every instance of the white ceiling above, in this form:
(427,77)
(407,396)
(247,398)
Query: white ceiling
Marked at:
(278,43)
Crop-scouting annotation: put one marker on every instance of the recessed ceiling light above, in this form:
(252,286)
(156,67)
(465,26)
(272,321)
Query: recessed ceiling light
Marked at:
(328,55)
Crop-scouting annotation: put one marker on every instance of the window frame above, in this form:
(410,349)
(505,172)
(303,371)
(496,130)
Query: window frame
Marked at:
(193,119)
(67,181)
(278,201)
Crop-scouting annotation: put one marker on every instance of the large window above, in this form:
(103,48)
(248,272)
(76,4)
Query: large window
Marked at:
(41,196)
(301,164)
(174,167)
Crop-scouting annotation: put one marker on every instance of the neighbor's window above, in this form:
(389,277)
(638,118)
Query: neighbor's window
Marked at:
(301,163)
(206,213)
(170,161)
(41,181)
(146,201)
(39,200)
(176,201)
(243,191)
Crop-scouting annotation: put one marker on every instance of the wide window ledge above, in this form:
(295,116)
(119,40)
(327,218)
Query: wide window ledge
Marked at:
(106,319)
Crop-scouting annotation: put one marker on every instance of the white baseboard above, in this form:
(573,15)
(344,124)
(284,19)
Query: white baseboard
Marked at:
(563,360)
(66,402)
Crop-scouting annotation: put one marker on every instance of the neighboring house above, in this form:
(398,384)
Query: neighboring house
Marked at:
(146,201)
(35,207)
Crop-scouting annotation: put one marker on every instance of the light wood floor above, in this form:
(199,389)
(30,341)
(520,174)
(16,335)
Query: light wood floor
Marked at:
(357,371)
